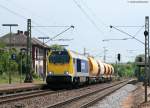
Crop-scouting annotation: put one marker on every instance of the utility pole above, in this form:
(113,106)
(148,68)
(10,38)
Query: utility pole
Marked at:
(105,54)
(84,51)
(146,33)
(29,78)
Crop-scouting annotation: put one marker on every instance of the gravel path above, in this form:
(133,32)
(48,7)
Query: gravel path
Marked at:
(115,100)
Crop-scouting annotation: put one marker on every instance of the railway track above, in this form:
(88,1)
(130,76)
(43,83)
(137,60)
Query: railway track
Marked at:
(24,95)
(85,100)
(19,88)
(75,98)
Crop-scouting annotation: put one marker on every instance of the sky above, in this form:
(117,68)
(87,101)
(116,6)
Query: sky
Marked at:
(91,19)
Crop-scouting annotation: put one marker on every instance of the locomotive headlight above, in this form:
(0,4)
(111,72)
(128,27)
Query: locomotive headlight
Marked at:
(50,73)
(66,73)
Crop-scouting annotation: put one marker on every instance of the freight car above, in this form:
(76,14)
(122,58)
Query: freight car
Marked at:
(70,67)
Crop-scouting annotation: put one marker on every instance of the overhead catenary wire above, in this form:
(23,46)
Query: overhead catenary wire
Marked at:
(93,14)
(25,18)
(126,38)
(130,26)
(21,7)
(60,33)
(41,32)
(127,34)
(20,16)
(62,39)
(87,16)
(138,31)
(25,9)
(13,12)
(117,39)
(50,26)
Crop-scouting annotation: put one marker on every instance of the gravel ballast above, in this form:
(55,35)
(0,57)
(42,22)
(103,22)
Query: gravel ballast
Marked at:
(46,100)
(114,100)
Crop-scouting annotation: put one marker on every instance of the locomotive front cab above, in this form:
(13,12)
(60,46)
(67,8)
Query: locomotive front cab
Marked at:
(59,67)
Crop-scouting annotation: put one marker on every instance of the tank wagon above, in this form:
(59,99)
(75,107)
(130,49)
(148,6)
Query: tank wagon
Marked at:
(73,68)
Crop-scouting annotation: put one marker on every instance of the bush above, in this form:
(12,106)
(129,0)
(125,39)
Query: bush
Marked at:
(125,70)
(34,75)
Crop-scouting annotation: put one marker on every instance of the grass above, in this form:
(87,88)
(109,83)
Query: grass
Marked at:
(15,78)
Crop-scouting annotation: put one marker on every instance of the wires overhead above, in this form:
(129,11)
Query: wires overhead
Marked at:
(25,9)
(126,34)
(20,16)
(50,26)
(87,16)
(60,33)
(93,14)
(117,39)
(130,26)
(34,22)
(138,31)
(13,12)
(62,39)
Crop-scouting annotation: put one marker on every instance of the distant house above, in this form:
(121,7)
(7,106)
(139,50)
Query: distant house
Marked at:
(39,49)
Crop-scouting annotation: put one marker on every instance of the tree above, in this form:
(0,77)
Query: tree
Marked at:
(56,47)
(126,70)
(2,44)
(4,55)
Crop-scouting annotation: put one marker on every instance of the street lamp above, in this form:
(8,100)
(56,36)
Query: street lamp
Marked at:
(10,25)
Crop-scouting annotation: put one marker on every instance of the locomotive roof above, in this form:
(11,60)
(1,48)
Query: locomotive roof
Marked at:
(77,55)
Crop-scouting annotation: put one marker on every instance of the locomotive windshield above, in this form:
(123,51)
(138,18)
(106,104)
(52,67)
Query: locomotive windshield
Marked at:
(59,57)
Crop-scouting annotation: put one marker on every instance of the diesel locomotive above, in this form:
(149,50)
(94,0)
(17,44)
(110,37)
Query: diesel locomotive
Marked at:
(70,67)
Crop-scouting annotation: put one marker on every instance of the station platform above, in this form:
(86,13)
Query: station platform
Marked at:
(18,87)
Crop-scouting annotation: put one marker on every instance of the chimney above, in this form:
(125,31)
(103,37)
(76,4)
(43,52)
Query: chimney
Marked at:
(21,32)
(18,32)
(26,33)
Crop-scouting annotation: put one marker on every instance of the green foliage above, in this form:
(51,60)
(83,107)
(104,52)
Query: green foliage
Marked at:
(125,70)
(35,76)
(21,60)
(56,47)
(13,66)
(4,61)
(2,45)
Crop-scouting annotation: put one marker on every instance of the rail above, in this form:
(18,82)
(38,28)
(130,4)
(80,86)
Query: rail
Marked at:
(73,102)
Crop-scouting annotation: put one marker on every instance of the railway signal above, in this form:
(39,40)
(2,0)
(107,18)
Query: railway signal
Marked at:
(119,57)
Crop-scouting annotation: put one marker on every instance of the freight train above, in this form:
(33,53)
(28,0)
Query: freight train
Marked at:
(70,67)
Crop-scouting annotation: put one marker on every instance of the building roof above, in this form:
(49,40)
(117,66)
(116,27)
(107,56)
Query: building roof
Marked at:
(19,39)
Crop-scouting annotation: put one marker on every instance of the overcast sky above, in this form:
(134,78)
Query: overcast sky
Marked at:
(91,19)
